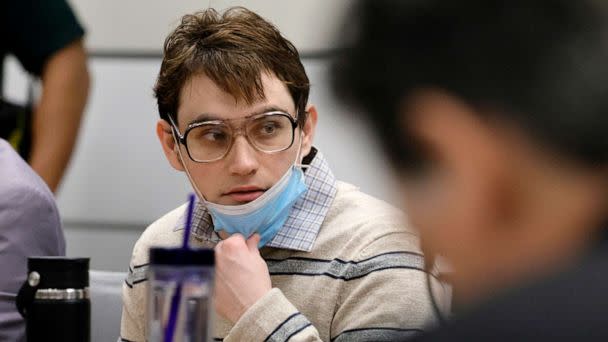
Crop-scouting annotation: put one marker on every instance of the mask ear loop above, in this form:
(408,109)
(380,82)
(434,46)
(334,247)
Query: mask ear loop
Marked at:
(181,158)
(298,161)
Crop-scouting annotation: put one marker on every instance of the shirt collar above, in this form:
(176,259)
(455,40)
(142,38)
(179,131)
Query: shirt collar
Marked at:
(305,218)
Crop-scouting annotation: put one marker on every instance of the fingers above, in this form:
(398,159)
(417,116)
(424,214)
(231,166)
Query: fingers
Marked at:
(236,238)
(233,244)
(253,242)
(237,242)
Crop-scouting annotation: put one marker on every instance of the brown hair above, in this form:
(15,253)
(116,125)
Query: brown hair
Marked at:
(232,49)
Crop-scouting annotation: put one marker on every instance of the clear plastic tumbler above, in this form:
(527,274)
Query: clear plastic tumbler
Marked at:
(180,290)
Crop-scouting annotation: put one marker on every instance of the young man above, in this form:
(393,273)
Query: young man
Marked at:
(29,226)
(496,114)
(333,263)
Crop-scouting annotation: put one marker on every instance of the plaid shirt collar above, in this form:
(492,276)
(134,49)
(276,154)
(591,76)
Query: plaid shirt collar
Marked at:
(302,226)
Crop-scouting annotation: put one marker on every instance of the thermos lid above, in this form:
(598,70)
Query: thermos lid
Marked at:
(182,256)
(60,272)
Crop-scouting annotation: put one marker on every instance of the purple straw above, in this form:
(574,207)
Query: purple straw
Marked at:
(188,221)
(170,330)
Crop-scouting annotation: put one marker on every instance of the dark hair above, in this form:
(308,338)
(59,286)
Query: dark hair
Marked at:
(232,49)
(541,64)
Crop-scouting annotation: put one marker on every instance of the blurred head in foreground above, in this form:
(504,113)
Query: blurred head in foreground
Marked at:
(495,115)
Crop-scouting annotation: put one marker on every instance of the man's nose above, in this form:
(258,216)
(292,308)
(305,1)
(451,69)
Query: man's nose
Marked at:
(242,157)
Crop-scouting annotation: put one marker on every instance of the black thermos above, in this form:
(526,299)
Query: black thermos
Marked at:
(54,300)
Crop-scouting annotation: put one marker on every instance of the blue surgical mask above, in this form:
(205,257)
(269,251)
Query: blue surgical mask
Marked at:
(266,214)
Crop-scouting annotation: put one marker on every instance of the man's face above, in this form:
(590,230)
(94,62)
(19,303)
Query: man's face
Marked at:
(440,200)
(474,203)
(244,173)
(488,200)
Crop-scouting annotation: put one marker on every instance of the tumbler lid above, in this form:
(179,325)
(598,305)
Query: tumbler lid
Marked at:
(182,256)
(59,272)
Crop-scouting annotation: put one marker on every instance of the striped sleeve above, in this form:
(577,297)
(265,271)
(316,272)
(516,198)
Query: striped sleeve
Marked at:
(273,319)
(134,302)
(132,325)
(134,293)
(389,300)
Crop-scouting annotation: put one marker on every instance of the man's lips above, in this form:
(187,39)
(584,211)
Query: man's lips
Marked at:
(245,193)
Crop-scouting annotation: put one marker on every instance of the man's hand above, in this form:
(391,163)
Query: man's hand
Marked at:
(241,276)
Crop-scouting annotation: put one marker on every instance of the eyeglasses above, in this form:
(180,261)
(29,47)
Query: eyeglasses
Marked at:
(208,141)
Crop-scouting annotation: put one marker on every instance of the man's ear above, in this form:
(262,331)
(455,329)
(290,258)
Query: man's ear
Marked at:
(167,141)
(309,129)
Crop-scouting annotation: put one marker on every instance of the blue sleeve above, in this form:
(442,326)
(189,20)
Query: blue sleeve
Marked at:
(29,226)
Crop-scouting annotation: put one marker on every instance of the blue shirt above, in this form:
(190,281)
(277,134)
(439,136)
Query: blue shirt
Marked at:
(29,226)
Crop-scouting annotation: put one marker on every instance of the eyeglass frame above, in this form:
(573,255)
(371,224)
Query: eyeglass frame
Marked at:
(182,139)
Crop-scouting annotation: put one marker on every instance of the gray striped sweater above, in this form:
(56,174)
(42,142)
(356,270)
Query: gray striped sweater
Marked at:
(362,281)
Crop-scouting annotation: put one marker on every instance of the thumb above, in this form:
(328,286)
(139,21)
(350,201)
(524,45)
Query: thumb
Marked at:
(253,242)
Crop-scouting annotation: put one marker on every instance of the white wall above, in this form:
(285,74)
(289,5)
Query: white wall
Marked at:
(143,24)
(118,181)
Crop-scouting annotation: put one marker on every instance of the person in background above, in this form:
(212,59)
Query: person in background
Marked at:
(495,115)
(306,257)
(29,225)
(45,36)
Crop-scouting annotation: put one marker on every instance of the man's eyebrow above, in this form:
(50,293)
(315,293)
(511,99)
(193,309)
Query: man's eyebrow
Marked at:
(211,117)
(204,117)
(267,109)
